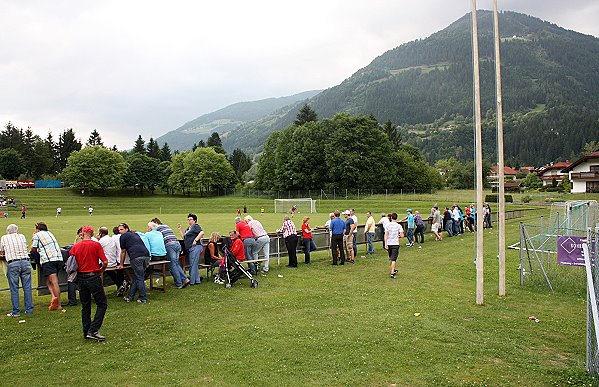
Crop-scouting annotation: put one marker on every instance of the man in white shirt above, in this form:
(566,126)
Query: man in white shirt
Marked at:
(455,216)
(112,250)
(393,231)
(383,221)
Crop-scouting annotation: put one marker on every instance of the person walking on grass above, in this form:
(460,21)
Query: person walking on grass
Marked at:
(45,244)
(90,280)
(411,226)
(393,232)
(13,247)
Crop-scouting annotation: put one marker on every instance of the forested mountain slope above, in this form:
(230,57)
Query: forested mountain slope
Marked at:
(550,92)
(226,119)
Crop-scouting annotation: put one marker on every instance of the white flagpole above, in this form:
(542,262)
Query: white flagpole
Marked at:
(479,161)
(500,165)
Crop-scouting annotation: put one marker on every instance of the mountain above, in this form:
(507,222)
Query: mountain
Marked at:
(229,118)
(550,84)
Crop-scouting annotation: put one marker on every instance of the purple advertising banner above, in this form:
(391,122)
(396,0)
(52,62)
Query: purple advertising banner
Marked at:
(569,250)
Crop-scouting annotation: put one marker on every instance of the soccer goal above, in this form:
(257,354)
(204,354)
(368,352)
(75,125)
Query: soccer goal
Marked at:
(304,205)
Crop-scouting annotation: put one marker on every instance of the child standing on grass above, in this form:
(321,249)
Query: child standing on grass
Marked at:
(393,231)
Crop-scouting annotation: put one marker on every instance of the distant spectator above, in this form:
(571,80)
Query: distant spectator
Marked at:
(419,227)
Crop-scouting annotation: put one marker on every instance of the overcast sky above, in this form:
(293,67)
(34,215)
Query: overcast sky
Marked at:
(133,67)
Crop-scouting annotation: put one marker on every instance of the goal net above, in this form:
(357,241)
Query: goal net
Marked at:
(305,205)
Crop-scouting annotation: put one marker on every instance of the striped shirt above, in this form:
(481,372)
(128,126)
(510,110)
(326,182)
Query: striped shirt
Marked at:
(257,228)
(14,246)
(288,228)
(167,233)
(47,246)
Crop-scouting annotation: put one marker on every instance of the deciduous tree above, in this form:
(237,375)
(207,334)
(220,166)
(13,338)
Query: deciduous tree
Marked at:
(94,168)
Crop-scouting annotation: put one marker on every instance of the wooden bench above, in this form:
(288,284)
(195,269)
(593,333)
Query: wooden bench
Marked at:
(160,267)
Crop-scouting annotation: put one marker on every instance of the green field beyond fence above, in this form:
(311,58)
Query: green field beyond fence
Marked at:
(314,325)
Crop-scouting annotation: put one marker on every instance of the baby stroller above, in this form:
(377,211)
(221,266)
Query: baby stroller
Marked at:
(233,268)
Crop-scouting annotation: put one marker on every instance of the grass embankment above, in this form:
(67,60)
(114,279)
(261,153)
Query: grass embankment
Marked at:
(315,325)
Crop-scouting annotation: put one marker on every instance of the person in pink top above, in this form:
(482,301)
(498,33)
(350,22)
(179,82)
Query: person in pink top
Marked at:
(262,240)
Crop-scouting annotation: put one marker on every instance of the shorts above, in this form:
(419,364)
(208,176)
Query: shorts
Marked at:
(393,252)
(348,243)
(52,267)
(435,227)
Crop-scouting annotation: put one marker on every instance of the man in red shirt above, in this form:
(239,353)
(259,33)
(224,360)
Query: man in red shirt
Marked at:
(90,280)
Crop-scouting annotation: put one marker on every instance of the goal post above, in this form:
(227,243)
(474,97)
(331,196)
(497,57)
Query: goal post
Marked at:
(302,205)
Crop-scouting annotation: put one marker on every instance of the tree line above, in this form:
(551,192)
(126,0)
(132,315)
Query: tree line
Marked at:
(147,166)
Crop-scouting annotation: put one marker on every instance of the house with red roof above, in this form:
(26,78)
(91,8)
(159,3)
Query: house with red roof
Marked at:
(584,173)
(509,174)
(553,172)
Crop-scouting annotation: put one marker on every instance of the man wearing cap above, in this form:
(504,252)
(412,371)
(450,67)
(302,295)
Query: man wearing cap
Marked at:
(89,278)
(411,226)
(348,235)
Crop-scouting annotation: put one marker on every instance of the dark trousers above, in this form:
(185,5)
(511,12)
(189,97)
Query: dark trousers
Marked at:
(117,277)
(291,244)
(337,245)
(91,287)
(72,293)
(309,246)
(419,232)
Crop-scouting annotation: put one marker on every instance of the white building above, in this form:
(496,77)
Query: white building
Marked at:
(584,173)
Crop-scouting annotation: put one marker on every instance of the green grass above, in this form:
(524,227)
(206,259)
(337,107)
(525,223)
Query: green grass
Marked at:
(316,325)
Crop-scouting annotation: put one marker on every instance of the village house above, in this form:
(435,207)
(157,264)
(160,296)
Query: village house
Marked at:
(584,173)
(552,172)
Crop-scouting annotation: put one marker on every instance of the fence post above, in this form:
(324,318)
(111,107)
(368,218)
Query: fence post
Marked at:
(522,247)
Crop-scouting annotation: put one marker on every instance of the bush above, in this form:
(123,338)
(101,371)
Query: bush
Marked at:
(495,198)
(526,199)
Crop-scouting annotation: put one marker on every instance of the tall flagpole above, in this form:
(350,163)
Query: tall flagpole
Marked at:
(500,165)
(479,161)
